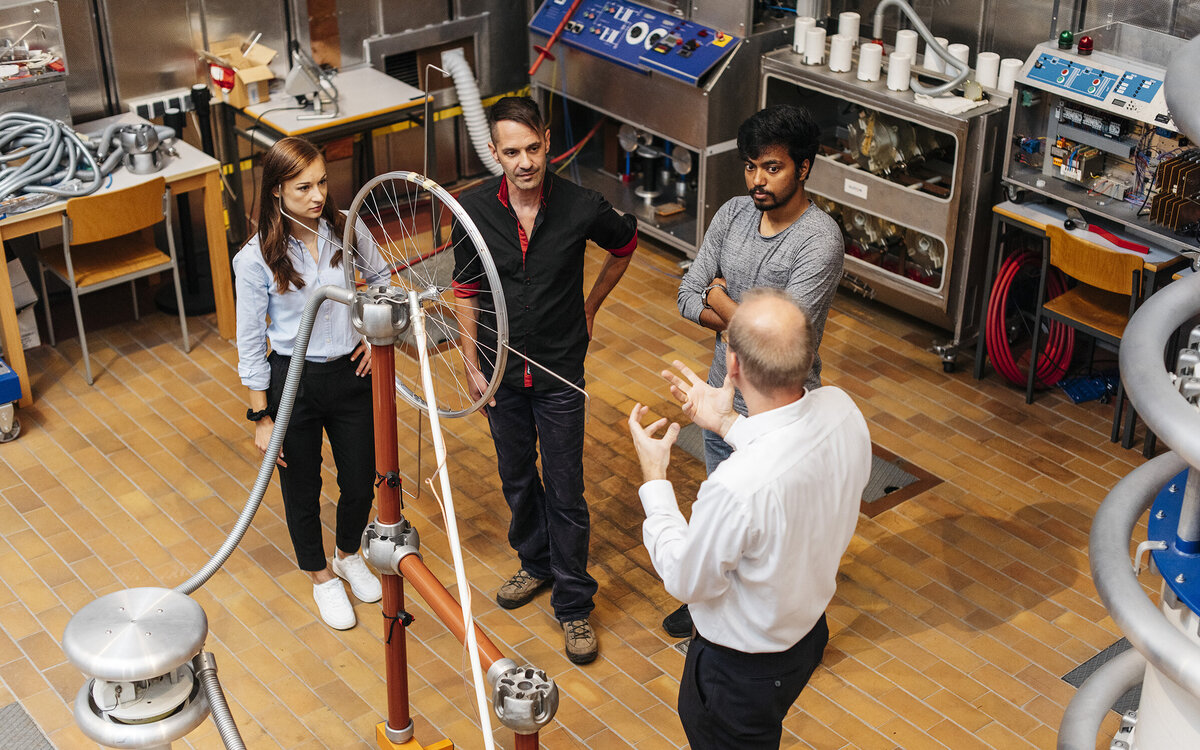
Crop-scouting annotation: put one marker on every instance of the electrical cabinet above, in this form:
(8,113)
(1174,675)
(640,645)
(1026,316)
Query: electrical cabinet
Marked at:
(1091,129)
(911,186)
(676,80)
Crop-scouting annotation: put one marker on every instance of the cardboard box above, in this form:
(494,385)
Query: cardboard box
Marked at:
(251,76)
(22,290)
(27,324)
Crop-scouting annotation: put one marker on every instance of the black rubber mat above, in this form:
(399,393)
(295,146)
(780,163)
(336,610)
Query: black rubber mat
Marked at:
(1076,677)
(18,730)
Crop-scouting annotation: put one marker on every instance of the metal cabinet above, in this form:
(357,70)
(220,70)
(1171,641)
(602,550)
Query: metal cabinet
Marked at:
(912,187)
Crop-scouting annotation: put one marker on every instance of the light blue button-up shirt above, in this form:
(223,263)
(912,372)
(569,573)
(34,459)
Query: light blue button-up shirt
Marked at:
(258,298)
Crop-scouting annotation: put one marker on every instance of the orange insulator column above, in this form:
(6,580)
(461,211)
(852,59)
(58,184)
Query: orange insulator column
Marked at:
(387,497)
(446,608)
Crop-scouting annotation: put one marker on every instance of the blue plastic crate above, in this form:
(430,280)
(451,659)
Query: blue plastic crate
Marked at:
(10,384)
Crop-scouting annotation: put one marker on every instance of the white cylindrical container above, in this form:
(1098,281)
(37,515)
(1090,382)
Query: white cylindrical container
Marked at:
(987,69)
(933,61)
(906,43)
(848,24)
(899,71)
(870,57)
(962,53)
(808,8)
(814,46)
(803,24)
(841,49)
(1009,67)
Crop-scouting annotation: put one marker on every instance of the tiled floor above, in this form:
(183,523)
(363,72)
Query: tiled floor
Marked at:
(957,611)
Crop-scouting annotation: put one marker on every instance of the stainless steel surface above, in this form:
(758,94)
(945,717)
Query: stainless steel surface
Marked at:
(961,221)
(734,16)
(359,19)
(138,32)
(156,735)
(135,634)
(86,85)
(653,103)
(49,99)
(473,31)
(397,17)
(242,19)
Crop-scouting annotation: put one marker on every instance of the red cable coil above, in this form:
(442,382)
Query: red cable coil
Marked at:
(1059,344)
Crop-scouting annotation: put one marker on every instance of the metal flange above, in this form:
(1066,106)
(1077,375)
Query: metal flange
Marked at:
(525,699)
(385,545)
(380,314)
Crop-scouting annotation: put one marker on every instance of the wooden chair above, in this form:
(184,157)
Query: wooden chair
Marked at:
(108,238)
(1109,289)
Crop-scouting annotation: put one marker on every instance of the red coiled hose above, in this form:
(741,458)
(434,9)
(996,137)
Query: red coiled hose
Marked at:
(1058,347)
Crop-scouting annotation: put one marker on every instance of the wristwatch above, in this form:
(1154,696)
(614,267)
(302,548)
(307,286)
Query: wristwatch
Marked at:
(707,290)
(256,416)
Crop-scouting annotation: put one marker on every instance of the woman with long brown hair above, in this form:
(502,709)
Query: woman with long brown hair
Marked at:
(295,251)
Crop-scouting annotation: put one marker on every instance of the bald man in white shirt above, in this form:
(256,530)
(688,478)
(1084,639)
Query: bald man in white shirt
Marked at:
(757,562)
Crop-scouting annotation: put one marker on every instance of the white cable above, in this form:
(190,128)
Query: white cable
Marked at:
(460,578)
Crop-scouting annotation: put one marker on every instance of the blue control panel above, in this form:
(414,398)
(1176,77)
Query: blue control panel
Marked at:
(1138,87)
(1072,75)
(1104,80)
(637,37)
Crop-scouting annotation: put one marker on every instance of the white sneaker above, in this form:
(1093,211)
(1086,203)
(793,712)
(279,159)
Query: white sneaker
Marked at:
(363,583)
(334,605)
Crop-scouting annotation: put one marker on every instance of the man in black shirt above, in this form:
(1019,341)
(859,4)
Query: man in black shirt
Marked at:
(536,226)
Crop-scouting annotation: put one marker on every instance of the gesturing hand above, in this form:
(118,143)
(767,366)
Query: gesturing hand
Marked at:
(653,453)
(710,408)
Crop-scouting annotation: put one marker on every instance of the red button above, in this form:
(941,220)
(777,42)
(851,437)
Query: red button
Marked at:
(678,42)
(1096,82)
(702,32)
(720,35)
(1065,71)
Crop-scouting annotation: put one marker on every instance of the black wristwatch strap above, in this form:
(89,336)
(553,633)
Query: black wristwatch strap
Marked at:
(255,416)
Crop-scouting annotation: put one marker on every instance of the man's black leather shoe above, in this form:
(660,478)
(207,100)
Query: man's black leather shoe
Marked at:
(678,624)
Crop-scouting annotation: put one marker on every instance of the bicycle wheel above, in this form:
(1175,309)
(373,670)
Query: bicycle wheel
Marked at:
(402,239)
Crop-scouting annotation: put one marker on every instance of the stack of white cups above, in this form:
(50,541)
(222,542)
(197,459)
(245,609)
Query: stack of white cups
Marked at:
(848,25)
(803,24)
(906,43)
(933,61)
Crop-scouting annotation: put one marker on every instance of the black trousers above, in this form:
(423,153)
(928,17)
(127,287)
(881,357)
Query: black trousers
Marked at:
(550,526)
(730,699)
(333,399)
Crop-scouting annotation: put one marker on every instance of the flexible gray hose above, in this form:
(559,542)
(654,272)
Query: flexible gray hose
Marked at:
(1095,697)
(284,415)
(44,144)
(205,666)
(1164,646)
(933,46)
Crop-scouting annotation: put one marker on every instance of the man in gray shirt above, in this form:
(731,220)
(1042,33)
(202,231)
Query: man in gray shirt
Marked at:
(773,237)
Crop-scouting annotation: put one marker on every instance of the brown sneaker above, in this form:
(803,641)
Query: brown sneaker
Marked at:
(581,641)
(519,590)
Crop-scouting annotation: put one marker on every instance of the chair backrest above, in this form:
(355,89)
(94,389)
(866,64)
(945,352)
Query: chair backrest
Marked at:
(102,216)
(1095,265)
